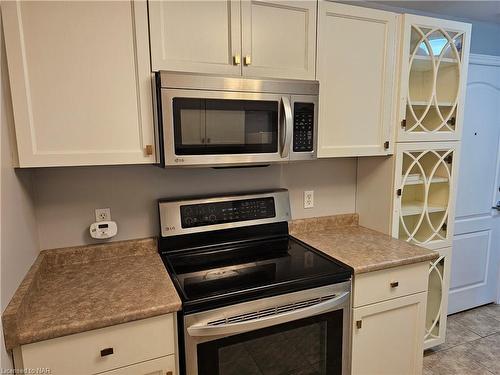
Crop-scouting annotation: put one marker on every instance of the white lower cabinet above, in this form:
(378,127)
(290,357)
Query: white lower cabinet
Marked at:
(145,346)
(160,366)
(437,301)
(387,335)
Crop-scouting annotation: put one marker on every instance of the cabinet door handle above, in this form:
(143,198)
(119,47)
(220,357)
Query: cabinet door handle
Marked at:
(236,61)
(149,150)
(106,352)
(394,284)
(359,324)
(248,60)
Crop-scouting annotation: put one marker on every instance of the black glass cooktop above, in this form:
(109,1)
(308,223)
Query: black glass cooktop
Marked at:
(220,275)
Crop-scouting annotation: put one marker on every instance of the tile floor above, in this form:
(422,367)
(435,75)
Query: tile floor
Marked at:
(472,344)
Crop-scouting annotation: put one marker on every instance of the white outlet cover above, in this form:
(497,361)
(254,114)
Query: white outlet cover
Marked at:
(309,199)
(102,214)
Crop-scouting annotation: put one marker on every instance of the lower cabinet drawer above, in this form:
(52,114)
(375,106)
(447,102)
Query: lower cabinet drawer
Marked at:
(372,287)
(103,349)
(159,366)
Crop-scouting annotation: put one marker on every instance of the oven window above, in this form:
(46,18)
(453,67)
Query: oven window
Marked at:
(310,346)
(223,126)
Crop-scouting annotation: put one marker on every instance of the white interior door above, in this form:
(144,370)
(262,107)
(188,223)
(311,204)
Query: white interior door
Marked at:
(475,261)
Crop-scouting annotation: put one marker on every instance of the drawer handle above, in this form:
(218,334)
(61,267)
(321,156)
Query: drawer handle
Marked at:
(107,351)
(394,284)
(169,373)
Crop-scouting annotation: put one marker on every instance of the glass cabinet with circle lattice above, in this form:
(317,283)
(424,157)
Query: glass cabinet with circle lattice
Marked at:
(434,62)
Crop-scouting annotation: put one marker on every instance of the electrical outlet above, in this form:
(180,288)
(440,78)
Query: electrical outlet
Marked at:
(102,214)
(309,199)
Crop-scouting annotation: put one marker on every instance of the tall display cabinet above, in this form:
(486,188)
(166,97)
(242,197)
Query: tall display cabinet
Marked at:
(411,194)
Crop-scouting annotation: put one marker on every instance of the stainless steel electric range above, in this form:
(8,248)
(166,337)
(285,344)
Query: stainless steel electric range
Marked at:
(256,301)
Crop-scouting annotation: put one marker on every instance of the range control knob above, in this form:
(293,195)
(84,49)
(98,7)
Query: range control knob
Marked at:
(212,218)
(189,221)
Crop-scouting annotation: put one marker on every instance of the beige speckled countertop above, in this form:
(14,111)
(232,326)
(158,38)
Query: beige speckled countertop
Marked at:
(363,249)
(78,289)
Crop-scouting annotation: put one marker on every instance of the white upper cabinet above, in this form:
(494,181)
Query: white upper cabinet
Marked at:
(356,69)
(80,81)
(268,38)
(279,38)
(435,55)
(196,36)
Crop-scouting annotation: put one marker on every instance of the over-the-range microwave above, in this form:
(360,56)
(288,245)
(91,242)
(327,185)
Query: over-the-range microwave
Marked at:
(207,120)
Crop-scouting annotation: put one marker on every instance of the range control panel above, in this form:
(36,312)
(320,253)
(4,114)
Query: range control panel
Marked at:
(303,127)
(197,215)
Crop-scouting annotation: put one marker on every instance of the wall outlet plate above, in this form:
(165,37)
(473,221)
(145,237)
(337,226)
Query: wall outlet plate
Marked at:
(102,214)
(309,199)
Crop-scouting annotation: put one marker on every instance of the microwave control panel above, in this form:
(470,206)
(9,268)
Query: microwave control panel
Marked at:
(303,127)
(197,215)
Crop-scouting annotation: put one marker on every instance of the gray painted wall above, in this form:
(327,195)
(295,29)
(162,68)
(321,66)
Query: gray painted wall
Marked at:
(485,38)
(66,197)
(18,234)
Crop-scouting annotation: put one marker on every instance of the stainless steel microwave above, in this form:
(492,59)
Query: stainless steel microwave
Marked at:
(206,120)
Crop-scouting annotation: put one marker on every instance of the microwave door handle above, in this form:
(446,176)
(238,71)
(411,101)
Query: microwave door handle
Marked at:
(197,330)
(287,128)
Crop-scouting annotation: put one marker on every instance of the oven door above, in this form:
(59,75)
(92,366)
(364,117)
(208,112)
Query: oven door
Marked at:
(225,128)
(296,333)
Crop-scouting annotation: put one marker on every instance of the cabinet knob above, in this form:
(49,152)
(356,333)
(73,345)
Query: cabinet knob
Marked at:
(359,324)
(106,352)
(149,150)
(236,61)
(394,284)
(248,60)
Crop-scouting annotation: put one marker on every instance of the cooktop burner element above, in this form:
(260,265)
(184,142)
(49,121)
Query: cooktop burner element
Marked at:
(225,250)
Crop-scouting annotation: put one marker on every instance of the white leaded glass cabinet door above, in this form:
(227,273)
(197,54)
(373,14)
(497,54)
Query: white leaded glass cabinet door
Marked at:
(425,185)
(437,299)
(435,56)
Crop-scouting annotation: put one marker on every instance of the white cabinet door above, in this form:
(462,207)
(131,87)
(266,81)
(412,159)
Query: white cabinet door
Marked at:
(80,81)
(279,38)
(437,299)
(435,55)
(82,353)
(195,36)
(159,366)
(388,336)
(424,196)
(356,70)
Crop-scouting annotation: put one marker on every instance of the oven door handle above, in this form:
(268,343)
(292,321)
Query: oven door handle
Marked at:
(287,127)
(226,329)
